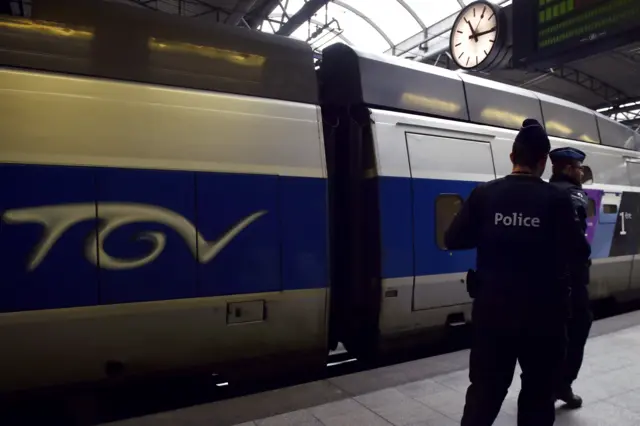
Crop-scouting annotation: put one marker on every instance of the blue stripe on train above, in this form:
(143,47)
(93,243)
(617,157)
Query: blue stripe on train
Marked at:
(408,233)
(251,233)
(408,227)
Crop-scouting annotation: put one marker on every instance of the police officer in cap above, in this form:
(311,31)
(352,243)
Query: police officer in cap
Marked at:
(525,235)
(567,176)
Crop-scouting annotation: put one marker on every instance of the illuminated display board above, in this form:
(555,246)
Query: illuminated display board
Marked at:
(574,27)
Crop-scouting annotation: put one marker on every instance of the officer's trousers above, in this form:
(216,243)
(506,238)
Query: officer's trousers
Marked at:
(578,328)
(495,350)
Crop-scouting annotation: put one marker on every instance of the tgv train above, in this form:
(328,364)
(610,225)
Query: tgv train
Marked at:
(177,195)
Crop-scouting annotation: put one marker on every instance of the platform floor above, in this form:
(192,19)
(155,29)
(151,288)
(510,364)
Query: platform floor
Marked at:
(430,392)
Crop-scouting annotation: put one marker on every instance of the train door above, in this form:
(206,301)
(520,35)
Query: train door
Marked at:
(444,170)
(631,211)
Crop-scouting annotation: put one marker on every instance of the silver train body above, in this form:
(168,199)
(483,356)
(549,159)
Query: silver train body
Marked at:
(213,202)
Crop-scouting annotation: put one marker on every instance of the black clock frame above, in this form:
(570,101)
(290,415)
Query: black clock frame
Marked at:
(499,49)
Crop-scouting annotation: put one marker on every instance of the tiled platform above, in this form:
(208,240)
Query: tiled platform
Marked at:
(430,392)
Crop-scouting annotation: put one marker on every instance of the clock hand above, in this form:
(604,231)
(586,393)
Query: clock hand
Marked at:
(482,33)
(473,33)
(481,18)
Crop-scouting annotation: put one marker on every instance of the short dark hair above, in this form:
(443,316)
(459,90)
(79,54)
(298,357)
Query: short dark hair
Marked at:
(528,155)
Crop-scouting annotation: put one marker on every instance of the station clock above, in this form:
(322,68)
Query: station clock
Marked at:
(478,36)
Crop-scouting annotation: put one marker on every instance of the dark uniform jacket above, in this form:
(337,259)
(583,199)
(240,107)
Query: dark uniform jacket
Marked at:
(580,201)
(526,235)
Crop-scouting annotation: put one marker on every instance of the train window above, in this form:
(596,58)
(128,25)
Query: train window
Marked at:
(633,171)
(587,177)
(591,208)
(609,209)
(447,206)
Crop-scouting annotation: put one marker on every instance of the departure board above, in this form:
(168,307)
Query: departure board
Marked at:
(573,27)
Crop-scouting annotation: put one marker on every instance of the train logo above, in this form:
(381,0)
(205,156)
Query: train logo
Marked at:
(57,219)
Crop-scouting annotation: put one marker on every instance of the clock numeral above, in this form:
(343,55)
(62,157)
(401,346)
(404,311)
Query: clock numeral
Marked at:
(461,55)
(457,45)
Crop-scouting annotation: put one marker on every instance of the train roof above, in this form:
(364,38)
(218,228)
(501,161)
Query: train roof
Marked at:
(387,82)
(109,40)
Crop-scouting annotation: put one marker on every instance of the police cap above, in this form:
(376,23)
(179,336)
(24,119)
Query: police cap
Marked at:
(533,137)
(567,154)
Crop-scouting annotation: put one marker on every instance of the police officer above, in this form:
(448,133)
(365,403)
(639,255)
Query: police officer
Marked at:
(567,176)
(526,236)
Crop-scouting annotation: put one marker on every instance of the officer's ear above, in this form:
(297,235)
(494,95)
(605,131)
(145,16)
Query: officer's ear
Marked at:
(543,161)
(511,158)
(542,165)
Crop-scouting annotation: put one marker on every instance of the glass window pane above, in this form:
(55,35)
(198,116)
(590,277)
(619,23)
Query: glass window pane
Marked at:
(266,28)
(323,39)
(361,34)
(587,177)
(392,18)
(389,15)
(591,208)
(292,7)
(433,11)
(343,26)
(447,206)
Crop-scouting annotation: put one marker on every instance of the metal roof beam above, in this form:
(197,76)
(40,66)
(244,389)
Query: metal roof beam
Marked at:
(620,109)
(305,13)
(631,123)
(319,24)
(143,3)
(413,13)
(366,19)
(623,116)
(608,93)
(242,8)
(623,106)
(627,117)
(262,13)
(424,36)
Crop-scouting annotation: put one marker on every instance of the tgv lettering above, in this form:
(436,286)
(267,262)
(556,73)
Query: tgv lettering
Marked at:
(516,219)
(56,220)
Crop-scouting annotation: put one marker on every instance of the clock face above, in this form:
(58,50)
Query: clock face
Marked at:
(473,36)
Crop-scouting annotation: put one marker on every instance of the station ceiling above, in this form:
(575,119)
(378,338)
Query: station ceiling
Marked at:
(417,30)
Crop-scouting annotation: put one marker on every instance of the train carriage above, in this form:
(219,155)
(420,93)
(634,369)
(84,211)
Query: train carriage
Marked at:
(419,139)
(163,202)
(202,197)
